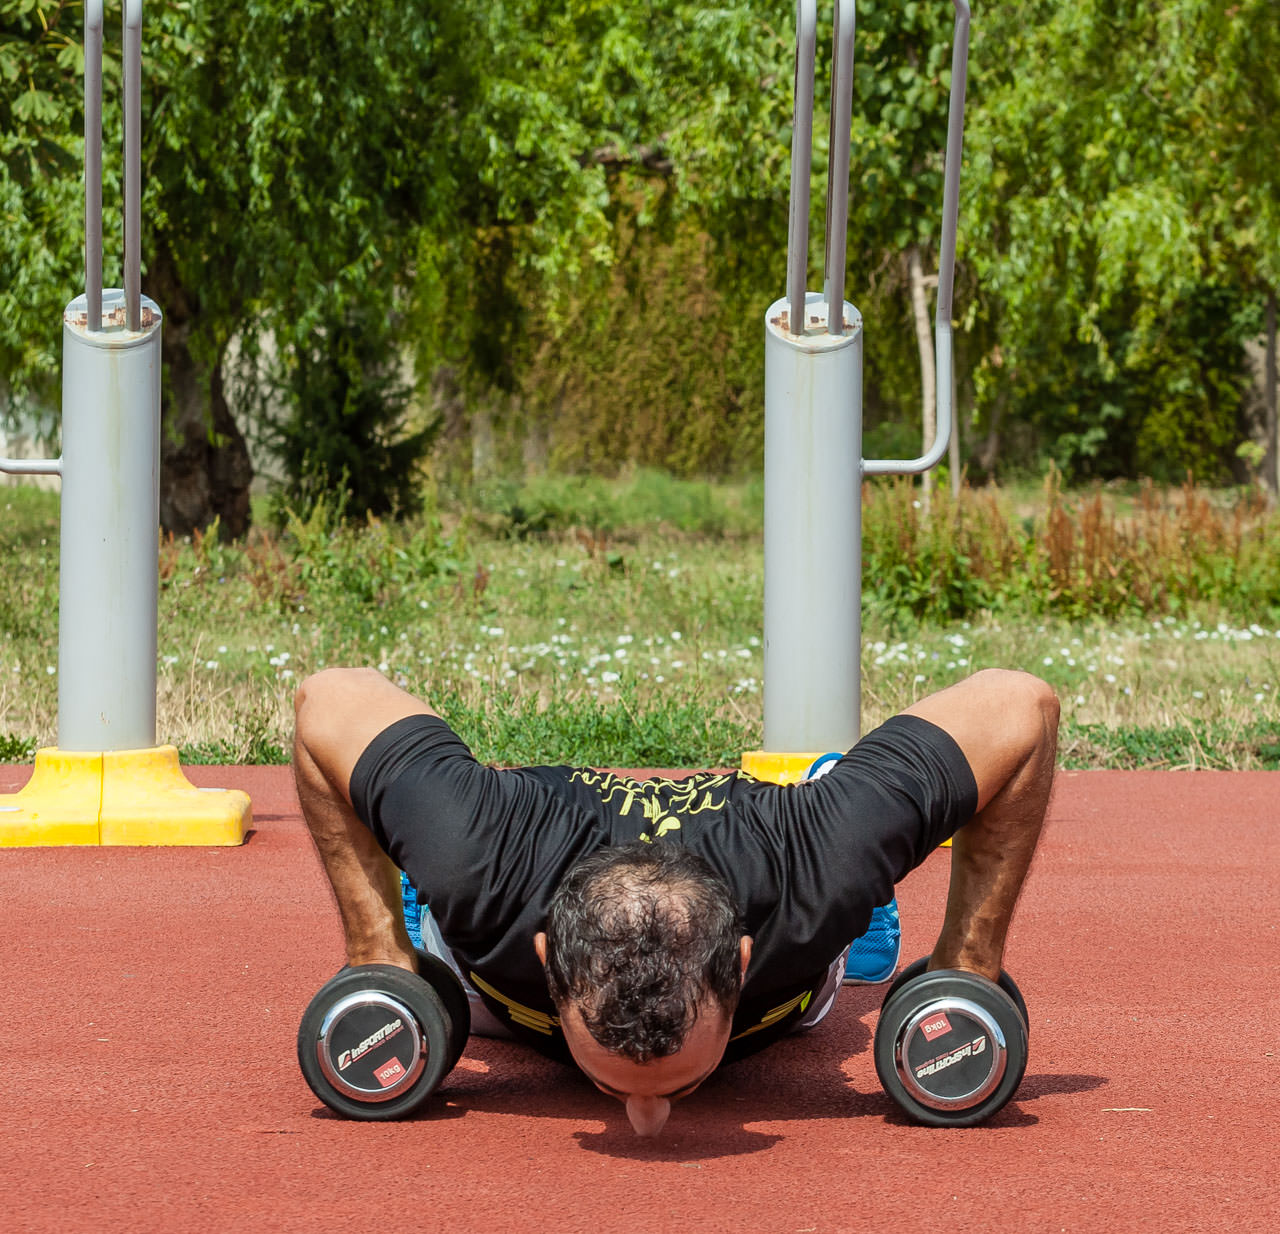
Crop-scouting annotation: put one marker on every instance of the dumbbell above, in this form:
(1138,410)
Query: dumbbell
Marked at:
(376,1041)
(951,1046)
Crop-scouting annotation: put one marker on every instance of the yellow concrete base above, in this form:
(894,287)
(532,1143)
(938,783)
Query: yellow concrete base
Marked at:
(119,797)
(784,768)
(778,768)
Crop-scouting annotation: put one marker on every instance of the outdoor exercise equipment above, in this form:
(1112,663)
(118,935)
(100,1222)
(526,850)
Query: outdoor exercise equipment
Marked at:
(814,467)
(376,1041)
(951,1046)
(107,782)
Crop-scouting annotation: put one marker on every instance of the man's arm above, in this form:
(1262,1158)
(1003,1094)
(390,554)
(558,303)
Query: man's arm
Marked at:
(1006,725)
(338,713)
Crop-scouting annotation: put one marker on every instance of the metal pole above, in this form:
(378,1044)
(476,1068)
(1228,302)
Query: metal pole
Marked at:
(107,782)
(132,163)
(812,535)
(93,162)
(942,345)
(813,426)
(801,164)
(838,163)
(108,564)
(108,569)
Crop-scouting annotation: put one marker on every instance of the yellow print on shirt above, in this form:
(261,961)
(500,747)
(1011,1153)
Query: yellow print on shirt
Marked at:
(660,803)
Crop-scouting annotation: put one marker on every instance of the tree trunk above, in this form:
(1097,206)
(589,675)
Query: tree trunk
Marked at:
(1269,395)
(928,375)
(205,471)
(988,453)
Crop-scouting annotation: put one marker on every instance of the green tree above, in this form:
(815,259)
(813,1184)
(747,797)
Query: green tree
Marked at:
(1111,282)
(291,151)
(295,147)
(589,132)
(41,193)
(350,440)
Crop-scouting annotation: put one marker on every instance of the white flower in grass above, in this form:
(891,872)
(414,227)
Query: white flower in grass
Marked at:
(610,678)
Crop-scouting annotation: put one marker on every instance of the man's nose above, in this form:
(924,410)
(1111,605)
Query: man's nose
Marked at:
(648,1115)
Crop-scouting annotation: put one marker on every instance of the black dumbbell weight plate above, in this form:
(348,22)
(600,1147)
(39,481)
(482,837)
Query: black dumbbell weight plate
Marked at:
(913,970)
(374,1043)
(950,1048)
(916,967)
(446,984)
(1010,987)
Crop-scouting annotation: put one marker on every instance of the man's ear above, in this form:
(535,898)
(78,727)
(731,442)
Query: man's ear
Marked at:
(540,946)
(744,950)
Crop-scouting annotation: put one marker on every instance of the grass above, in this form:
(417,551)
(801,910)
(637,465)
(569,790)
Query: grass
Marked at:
(619,624)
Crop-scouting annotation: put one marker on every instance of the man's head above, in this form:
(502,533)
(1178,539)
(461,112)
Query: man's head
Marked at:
(645,956)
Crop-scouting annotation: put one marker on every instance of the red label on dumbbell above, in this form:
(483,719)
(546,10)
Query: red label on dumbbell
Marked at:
(935,1026)
(389,1073)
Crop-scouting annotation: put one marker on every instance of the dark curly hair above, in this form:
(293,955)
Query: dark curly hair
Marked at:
(639,937)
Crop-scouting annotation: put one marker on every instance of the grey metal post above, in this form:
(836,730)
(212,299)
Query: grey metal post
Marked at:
(108,565)
(110,528)
(132,162)
(801,156)
(813,426)
(93,161)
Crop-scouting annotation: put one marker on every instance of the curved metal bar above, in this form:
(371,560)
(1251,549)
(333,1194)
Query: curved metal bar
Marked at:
(93,162)
(955,148)
(942,346)
(801,164)
(838,164)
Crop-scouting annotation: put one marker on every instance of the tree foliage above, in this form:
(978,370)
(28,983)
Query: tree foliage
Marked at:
(41,194)
(580,210)
(1113,270)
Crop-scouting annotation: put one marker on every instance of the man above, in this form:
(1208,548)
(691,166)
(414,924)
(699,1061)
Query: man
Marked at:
(651,931)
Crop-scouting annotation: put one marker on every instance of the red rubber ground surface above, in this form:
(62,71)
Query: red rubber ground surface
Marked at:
(152,997)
